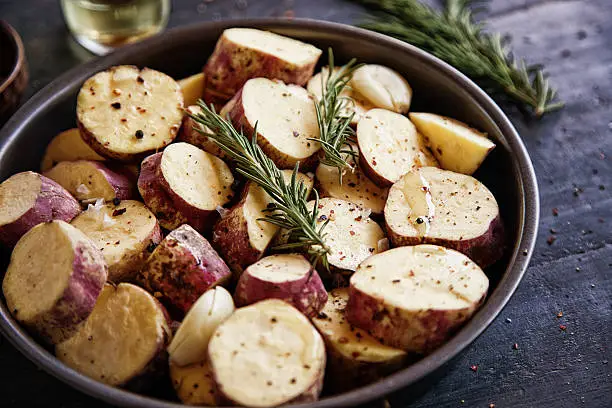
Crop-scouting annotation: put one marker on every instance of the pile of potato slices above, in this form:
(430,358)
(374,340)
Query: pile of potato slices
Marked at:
(141,256)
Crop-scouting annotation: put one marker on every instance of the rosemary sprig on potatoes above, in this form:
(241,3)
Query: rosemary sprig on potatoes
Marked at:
(334,122)
(453,36)
(289,210)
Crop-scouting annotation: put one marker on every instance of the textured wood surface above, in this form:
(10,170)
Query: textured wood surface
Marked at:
(572,154)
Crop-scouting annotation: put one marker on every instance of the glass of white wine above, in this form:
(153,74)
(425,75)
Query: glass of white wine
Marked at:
(103,25)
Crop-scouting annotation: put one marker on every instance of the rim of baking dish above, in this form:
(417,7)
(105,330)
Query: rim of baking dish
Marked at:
(519,259)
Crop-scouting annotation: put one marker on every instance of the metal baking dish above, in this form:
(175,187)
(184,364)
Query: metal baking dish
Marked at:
(437,88)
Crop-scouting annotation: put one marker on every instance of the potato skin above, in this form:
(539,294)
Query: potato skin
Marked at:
(189,134)
(485,250)
(239,119)
(169,208)
(231,65)
(231,238)
(308,295)
(182,268)
(54,202)
(419,332)
(86,281)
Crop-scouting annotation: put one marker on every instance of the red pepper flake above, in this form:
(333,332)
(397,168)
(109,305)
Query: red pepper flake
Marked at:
(515,346)
(474,367)
(555,211)
(374,162)
(295,134)
(563,327)
(352,233)
(551,239)
(560,314)
(359,218)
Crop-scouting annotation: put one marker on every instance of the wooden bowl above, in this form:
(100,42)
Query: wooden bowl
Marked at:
(13,71)
(438,88)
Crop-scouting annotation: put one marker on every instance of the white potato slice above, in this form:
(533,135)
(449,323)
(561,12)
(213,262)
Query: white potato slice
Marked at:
(433,206)
(123,233)
(192,88)
(383,87)
(351,234)
(354,357)
(123,342)
(389,146)
(67,146)
(194,384)
(457,146)
(358,104)
(245,53)
(267,354)
(285,117)
(125,113)
(241,236)
(190,341)
(415,297)
(356,187)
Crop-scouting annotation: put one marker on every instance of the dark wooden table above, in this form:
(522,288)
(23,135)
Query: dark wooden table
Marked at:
(561,315)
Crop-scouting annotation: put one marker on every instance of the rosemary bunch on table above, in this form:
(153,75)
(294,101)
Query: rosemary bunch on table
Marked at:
(289,210)
(453,36)
(334,123)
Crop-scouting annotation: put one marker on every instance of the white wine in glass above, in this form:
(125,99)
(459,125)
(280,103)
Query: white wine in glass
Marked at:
(103,25)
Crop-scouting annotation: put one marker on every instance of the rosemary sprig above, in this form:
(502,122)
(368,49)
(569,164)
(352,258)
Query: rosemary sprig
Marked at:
(334,123)
(289,210)
(453,36)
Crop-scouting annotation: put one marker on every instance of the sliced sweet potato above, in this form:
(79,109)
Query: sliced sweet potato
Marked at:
(123,342)
(434,206)
(457,146)
(190,342)
(267,354)
(124,233)
(194,384)
(415,297)
(240,236)
(389,146)
(67,146)
(53,280)
(354,358)
(191,132)
(245,53)
(125,113)
(286,121)
(87,180)
(185,185)
(355,186)
(288,277)
(350,234)
(192,88)
(358,103)
(182,268)
(27,199)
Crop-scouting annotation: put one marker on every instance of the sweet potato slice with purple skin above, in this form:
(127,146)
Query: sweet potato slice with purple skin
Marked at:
(289,351)
(185,185)
(244,53)
(53,280)
(88,180)
(125,113)
(125,233)
(414,298)
(434,206)
(27,199)
(67,146)
(286,121)
(240,236)
(130,322)
(182,268)
(354,358)
(288,277)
